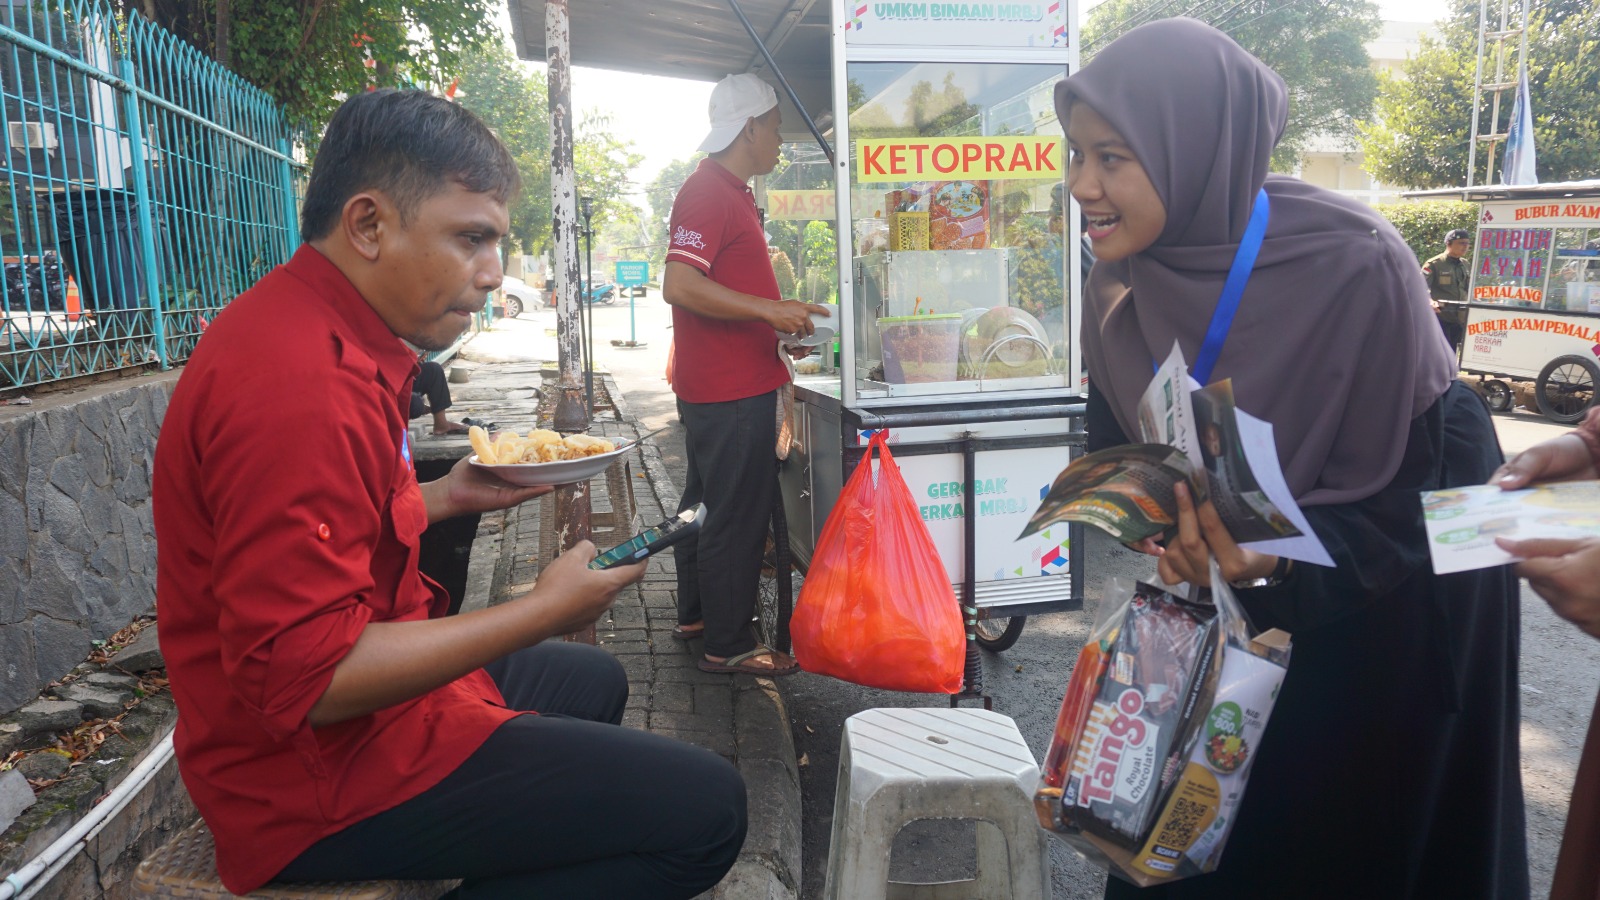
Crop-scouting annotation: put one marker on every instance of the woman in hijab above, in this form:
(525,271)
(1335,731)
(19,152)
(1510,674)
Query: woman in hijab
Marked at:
(1390,766)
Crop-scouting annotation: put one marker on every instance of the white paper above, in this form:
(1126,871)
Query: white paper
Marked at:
(1463,522)
(1165,414)
(1255,435)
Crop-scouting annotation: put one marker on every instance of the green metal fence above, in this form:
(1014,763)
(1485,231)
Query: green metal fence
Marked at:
(144,187)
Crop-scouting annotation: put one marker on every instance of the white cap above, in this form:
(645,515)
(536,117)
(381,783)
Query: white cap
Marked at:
(735,100)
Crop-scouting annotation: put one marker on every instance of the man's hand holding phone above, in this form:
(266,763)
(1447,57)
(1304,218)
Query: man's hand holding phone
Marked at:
(571,596)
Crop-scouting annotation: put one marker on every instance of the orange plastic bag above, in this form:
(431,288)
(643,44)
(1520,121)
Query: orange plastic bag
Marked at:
(876,608)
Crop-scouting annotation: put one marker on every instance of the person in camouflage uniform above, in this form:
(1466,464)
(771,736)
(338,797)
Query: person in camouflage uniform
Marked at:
(1447,284)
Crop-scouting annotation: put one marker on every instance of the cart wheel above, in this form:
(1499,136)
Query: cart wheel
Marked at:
(1498,394)
(1565,389)
(996,635)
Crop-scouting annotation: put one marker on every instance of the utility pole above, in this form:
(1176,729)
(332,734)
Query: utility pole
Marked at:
(571,414)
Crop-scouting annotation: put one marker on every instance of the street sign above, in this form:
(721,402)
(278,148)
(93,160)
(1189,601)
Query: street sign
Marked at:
(633,273)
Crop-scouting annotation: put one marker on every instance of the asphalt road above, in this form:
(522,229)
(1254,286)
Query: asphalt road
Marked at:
(1561,667)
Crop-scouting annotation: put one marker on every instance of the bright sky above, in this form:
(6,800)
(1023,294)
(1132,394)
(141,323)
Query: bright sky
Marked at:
(666,117)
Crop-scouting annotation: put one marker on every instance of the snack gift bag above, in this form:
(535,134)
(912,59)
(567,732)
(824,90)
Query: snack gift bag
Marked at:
(876,608)
(1150,755)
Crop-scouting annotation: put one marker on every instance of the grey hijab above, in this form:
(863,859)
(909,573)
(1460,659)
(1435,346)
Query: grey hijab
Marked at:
(1335,342)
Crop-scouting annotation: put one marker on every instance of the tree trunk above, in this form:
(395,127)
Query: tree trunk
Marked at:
(224,25)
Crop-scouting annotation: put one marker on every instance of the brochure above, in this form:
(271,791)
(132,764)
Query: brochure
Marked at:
(1127,491)
(1463,522)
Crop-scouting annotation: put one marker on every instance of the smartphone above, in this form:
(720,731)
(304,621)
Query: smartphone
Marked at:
(653,540)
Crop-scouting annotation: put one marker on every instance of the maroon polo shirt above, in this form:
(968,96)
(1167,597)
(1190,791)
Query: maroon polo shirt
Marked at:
(287,518)
(716,228)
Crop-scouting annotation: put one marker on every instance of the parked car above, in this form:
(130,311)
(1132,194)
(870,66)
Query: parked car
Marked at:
(519,295)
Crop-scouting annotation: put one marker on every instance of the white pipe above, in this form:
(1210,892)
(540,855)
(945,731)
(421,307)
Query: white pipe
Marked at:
(68,845)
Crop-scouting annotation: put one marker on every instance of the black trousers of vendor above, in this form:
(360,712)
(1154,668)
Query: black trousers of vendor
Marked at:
(734,472)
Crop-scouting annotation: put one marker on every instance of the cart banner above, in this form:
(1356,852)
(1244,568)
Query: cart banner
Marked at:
(1008,487)
(1520,343)
(1041,25)
(929,159)
(796,206)
(1565,212)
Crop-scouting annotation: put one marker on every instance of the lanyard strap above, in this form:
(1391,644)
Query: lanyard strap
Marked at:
(1244,260)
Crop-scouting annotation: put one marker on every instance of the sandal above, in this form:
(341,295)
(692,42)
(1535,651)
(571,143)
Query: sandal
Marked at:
(485,424)
(680,633)
(740,665)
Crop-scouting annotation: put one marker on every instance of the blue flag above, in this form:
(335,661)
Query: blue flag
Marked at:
(1521,162)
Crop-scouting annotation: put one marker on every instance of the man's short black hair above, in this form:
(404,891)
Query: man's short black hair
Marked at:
(407,144)
(1459,234)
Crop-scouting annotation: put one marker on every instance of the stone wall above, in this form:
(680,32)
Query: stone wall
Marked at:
(77,542)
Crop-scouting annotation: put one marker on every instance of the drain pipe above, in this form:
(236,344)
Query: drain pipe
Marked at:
(66,847)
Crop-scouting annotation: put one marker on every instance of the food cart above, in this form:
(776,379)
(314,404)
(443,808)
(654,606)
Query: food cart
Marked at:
(957,265)
(1534,313)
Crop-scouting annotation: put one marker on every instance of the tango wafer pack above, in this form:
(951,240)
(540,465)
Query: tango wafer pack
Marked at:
(1159,726)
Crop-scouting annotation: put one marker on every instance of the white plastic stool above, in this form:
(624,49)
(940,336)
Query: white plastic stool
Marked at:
(900,765)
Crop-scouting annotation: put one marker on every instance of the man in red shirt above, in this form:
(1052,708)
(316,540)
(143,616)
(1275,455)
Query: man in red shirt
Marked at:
(726,313)
(332,723)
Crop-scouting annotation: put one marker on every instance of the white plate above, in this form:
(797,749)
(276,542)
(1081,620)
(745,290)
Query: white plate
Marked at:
(566,471)
(822,335)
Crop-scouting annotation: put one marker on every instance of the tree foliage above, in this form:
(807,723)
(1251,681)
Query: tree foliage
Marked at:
(1318,48)
(1418,136)
(512,98)
(1424,225)
(308,54)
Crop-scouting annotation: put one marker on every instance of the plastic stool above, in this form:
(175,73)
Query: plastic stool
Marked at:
(900,765)
(186,867)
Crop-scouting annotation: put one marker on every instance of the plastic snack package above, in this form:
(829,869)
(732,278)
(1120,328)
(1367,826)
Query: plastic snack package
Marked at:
(1152,749)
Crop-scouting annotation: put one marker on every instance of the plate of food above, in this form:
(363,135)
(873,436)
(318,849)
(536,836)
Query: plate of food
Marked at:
(543,457)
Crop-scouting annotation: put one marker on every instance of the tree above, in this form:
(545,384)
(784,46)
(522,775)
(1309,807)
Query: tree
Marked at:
(308,54)
(1318,48)
(661,192)
(510,98)
(1418,136)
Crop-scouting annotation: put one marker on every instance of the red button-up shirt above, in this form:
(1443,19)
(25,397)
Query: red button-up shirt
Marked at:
(716,228)
(288,517)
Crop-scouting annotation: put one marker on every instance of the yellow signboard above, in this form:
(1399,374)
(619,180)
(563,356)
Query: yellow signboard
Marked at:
(929,159)
(790,206)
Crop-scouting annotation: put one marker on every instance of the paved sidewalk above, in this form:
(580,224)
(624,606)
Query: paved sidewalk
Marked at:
(742,717)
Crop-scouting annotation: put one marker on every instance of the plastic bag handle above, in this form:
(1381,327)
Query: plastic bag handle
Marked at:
(880,442)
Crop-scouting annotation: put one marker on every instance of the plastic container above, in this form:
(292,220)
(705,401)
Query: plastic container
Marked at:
(919,349)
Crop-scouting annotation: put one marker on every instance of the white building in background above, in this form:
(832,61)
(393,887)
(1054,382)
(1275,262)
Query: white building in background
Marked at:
(1335,161)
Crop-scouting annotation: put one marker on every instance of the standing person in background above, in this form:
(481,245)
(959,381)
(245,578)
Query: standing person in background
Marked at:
(1390,766)
(1448,279)
(726,311)
(1567,574)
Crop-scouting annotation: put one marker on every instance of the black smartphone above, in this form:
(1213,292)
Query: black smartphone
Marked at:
(652,540)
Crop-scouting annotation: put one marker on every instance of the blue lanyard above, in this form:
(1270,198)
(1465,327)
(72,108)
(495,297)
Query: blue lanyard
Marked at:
(1244,260)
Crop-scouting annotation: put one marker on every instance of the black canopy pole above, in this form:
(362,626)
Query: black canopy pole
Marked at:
(793,97)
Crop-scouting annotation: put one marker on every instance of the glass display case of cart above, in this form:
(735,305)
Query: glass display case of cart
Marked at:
(958,237)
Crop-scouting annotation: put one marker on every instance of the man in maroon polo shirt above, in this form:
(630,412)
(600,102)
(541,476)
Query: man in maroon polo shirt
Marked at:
(332,723)
(726,313)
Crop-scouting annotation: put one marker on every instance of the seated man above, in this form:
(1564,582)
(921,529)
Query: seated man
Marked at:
(431,394)
(332,724)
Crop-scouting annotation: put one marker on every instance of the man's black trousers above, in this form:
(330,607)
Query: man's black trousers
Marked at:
(733,470)
(566,803)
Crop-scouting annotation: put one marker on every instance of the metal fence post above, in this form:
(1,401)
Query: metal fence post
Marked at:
(147,217)
(291,218)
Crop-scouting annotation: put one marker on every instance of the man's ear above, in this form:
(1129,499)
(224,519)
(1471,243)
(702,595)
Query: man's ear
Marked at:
(362,221)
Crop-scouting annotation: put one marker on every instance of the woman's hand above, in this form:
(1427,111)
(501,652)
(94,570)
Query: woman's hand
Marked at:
(1202,535)
(1562,458)
(1566,573)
